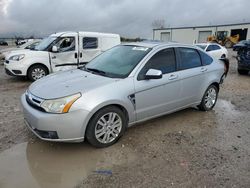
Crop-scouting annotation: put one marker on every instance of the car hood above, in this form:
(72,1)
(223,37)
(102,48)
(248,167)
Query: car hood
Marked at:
(27,52)
(67,83)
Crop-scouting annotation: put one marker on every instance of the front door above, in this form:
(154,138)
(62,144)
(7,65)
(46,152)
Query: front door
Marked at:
(158,96)
(66,55)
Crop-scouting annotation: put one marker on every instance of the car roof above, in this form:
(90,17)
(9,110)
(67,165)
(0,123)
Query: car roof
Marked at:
(154,44)
(69,33)
(208,43)
(202,43)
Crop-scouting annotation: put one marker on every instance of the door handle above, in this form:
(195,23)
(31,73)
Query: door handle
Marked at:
(53,57)
(76,55)
(203,69)
(80,54)
(173,77)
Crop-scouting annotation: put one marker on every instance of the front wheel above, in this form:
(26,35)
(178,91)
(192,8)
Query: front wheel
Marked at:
(36,72)
(209,99)
(106,127)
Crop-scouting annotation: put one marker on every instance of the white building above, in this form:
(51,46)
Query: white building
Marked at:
(199,34)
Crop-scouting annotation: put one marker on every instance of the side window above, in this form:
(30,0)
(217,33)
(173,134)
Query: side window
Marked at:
(66,44)
(163,60)
(209,48)
(206,59)
(89,43)
(189,58)
(212,48)
(216,47)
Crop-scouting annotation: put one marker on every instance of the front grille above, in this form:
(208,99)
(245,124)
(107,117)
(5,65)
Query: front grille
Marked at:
(34,101)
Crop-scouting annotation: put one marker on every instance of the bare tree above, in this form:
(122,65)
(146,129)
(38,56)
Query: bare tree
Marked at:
(158,24)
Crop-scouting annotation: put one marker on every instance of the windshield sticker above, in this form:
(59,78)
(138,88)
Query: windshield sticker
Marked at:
(140,48)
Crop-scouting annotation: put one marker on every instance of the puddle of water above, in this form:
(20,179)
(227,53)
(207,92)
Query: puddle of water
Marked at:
(227,107)
(42,164)
(229,123)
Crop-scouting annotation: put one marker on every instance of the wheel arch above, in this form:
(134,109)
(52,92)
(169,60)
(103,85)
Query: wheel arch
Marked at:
(216,84)
(34,64)
(100,107)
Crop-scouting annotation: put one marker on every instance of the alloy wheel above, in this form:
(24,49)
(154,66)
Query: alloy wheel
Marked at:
(210,98)
(38,73)
(108,127)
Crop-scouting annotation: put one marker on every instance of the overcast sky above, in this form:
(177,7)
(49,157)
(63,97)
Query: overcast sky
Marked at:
(129,18)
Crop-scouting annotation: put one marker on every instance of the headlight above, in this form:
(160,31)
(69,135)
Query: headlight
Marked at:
(61,105)
(17,57)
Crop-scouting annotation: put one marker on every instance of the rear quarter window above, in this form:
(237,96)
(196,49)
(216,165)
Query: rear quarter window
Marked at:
(206,59)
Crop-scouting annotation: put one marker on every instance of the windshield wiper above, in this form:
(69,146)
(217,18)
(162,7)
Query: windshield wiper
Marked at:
(95,71)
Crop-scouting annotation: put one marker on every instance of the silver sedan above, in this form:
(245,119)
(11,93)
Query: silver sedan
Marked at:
(125,85)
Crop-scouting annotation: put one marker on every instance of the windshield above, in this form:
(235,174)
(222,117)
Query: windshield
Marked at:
(44,44)
(202,46)
(117,62)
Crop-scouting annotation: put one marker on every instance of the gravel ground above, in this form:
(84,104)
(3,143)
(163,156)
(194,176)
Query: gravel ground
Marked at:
(185,149)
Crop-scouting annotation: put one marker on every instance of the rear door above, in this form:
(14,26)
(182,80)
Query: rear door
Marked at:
(89,48)
(66,55)
(157,96)
(191,72)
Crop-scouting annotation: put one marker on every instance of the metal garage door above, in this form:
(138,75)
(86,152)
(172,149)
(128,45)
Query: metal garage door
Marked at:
(203,36)
(165,36)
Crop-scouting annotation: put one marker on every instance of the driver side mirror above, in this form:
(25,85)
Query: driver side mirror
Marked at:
(54,49)
(153,74)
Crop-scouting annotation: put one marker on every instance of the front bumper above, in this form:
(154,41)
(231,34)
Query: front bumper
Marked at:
(15,68)
(69,127)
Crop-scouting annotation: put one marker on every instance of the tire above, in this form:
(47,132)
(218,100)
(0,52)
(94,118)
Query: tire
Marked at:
(208,102)
(242,72)
(100,123)
(36,72)
(229,44)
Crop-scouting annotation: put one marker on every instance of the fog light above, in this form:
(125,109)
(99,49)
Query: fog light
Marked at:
(47,134)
